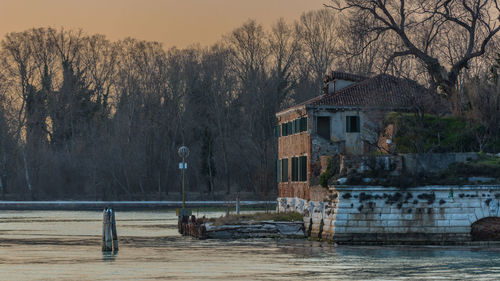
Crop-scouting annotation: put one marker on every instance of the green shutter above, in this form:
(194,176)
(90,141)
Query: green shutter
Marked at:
(295,169)
(278,171)
(284,130)
(303,168)
(284,170)
(290,128)
(357,124)
(303,124)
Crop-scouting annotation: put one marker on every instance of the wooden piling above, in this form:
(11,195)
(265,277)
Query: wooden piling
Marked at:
(109,234)
(113,229)
(238,204)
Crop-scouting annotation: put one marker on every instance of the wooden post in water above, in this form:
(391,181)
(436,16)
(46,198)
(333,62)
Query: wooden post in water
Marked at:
(109,235)
(113,229)
(106,232)
(238,204)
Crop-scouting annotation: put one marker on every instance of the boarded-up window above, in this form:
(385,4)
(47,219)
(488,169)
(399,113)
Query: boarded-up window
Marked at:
(284,170)
(303,168)
(352,124)
(323,126)
(303,124)
(295,168)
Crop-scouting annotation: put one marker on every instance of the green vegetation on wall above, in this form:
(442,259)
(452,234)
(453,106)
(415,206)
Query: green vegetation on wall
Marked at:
(428,133)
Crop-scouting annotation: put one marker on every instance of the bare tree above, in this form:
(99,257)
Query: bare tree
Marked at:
(317,33)
(422,28)
(284,53)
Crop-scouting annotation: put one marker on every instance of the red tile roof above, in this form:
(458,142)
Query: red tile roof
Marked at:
(383,90)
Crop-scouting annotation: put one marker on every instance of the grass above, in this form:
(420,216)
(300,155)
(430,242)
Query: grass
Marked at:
(256,217)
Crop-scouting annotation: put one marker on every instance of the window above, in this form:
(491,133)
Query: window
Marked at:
(284,130)
(303,124)
(284,170)
(352,124)
(278,171)
(295,169)
(303,168)
(296,125)
(289,127)
(323,127)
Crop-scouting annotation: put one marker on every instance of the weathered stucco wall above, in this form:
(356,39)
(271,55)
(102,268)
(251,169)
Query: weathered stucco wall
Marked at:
(352,142)
(389,215)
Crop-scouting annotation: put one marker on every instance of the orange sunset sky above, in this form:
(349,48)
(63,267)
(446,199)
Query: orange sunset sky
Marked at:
(173,22)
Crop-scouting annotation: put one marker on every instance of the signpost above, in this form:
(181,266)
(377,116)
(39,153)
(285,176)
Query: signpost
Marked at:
(183,153)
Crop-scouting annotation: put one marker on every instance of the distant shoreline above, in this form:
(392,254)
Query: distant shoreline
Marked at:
(129,205)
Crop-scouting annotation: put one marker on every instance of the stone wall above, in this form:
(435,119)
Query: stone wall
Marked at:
(389,215)
(403,163)
(434,162)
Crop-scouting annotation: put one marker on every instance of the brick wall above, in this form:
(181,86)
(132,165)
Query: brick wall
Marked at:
(295,145)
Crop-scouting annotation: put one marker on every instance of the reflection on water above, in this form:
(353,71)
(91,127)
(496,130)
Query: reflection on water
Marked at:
(65,245)
(109,256)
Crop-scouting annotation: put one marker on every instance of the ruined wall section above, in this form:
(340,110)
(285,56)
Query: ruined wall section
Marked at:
(389,215)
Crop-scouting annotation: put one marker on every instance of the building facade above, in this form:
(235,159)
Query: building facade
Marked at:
(343,120)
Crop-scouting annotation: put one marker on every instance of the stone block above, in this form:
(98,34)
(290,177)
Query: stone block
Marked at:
(458,229)
(442,223)
(357,229)
(396,210)
(367,223)
(340,223)
(408,217)
(472,218)
(351,210)
(346,204)
(390,217)
(456,216)
(394,223)
(340,229)
(342,216)
(460,222)
(396,229)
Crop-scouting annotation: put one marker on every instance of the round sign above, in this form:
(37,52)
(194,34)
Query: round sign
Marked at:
(183,151)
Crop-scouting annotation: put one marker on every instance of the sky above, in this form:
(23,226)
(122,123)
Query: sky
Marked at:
(177,23)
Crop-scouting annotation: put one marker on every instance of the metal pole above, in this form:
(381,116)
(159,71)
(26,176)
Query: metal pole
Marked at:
(183,188)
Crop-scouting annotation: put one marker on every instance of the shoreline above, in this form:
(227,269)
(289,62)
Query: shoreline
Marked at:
(128,205)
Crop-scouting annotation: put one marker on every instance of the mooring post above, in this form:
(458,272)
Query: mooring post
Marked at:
(113,229)
(109,235)
(107,245)
(238,204)
(104,215)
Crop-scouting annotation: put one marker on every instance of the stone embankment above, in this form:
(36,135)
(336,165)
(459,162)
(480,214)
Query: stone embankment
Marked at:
(390,215)
(261,229)
(202,229)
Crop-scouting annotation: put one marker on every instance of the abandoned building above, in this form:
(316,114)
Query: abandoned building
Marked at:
(340,121)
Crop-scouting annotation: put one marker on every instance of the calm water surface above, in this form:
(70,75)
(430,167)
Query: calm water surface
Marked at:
(65,245)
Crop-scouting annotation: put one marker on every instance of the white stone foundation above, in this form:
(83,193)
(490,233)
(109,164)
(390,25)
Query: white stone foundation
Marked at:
(389,215)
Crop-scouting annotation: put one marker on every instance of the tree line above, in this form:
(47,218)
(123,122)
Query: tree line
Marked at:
(82,117)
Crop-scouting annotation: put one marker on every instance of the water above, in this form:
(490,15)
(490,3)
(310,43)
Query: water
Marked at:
(65,245)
